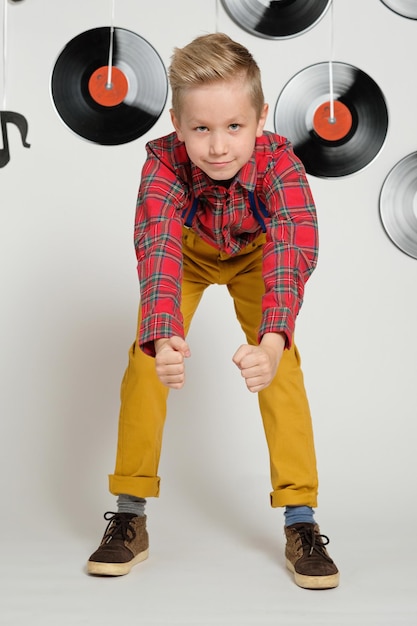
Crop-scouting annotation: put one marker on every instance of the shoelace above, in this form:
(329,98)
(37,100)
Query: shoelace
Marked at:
(118,527)
(314,542)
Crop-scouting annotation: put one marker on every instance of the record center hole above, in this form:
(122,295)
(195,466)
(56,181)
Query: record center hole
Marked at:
(105,93)
(332,128)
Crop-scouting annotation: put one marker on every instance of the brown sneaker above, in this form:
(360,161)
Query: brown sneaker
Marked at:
(307,557)
(125,543)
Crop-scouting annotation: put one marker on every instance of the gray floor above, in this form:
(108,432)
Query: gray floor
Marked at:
(209,567)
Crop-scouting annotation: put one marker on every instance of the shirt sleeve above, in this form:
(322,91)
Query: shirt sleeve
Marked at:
(291,248)
(158,246)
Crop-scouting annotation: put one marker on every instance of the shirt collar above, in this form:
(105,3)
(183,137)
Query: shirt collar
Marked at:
(246,177)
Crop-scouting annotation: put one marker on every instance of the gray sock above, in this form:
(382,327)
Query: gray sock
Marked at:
(299,515)
(131,504)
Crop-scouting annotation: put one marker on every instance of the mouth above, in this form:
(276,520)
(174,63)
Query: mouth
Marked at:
(219,163)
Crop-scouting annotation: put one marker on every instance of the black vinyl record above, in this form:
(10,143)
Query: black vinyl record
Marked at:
(334,141)
(398,205)
(406,8)
(104,112)
(278,19)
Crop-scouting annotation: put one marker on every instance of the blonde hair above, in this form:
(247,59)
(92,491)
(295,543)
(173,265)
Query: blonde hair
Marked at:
(211,58)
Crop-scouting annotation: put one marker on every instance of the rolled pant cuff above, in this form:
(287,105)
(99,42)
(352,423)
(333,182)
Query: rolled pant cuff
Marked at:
(139,486)
(288,497)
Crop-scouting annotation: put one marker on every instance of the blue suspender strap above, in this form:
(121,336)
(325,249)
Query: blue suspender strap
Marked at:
(257,206)
(258,209)
(188,214)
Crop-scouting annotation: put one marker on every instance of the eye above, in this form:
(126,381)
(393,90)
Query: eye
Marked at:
(234,127)
(201,129)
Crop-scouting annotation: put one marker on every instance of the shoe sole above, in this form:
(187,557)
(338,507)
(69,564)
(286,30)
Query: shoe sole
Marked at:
(314,582)
(115,569)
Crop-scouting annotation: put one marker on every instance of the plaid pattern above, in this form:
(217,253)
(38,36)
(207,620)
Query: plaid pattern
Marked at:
(224,220)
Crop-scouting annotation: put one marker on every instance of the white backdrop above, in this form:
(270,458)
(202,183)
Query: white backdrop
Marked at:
(70,293)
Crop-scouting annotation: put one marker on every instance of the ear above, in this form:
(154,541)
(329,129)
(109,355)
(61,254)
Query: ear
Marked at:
(262,120)
(176,124)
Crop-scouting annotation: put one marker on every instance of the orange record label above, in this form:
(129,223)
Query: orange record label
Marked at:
(332,129)
(108,95)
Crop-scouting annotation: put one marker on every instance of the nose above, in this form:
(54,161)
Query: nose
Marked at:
(218,144)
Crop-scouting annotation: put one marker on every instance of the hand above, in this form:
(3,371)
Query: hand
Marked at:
(259,364)
(169,361)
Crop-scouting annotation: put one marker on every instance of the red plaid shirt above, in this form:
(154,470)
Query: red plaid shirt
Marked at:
(223,219)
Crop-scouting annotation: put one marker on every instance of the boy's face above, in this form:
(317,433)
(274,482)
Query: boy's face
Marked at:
(219,125)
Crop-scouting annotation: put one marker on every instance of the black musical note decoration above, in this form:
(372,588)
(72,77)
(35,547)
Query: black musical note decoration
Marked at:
(11,117)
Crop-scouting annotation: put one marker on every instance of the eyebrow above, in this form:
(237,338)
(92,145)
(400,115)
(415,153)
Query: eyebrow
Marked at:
(232,120)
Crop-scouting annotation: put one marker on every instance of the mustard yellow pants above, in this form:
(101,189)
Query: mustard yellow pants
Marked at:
(283,404)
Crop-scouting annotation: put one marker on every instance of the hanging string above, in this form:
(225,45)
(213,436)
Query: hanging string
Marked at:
(4,52)
(217,2)
(110,62)
(332,118)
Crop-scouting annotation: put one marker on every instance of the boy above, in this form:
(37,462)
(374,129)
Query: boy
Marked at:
(220,201)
